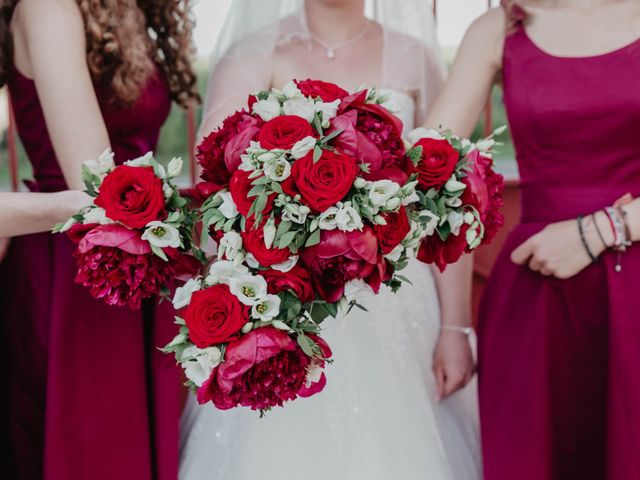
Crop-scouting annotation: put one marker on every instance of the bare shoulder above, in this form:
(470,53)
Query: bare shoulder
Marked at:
(485,36)
(32,16)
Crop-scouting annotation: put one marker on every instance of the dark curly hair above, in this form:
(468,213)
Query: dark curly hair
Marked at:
(124,40)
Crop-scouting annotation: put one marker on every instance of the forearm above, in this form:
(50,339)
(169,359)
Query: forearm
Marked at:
(25,213)
(454,292)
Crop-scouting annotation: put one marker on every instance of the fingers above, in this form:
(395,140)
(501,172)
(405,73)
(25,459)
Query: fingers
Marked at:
(521,254)
(438,372)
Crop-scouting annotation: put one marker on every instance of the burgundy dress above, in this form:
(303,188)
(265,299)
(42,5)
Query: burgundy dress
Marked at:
(90,396)
(560,359)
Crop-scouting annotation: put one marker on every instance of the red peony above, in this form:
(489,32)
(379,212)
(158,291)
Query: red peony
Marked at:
(442,253)
(239,187)
(219,152)
(439,160)
(284,132)
(132,196)
(296,280)
(341,257)
(392,234)
(311,388)
(325,182)
(328,92)
(214,316)
(253,240)
(263,369)
(116,265)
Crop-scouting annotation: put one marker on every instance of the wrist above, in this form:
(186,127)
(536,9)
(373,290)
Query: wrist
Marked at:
(69,202)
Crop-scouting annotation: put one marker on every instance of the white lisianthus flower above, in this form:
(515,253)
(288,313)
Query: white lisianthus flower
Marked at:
(143,161)
(198,363)
(223,270)
(328,109)
(278,170)
(328,220)
(348,219)
(96,215)
(454,202)
(174,168)
(432,221)
(162,235)
(182,297)
(302,107)
(269,232)
(356,290)
(267,308)
(295,213)
(420,133)
(102,165)
(252,261)
(392,204)
(230,245)
(485,144)
(286,266)
(228,207)
(291,90)
(381,191)
(456,220)
(267,109)
(453,185)
(411,198)
(249,289)
(395,254)
(303,147)
(269,156)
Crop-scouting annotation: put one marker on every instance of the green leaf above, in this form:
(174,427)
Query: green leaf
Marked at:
(415,154)
(159,252)
(276,187)
(306,344)
(313,239)
(283,228)
(317,123)
(255,191)
(263,180)
(286,239)
(317,153)
(404,279)
(331,136)
(260,203)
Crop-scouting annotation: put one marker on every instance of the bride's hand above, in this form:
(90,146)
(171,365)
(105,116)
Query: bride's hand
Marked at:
(453,364)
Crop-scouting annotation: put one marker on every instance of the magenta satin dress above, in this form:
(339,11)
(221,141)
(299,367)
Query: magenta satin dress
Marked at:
(559,360)
(90,397)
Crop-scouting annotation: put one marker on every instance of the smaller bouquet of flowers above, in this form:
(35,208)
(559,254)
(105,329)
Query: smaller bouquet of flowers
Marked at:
(460,194)
(133,240)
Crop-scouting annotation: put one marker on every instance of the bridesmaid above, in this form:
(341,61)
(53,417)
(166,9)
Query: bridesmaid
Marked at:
(89,395)
(559,326)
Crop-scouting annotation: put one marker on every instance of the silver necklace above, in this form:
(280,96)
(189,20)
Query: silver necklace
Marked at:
(331,49)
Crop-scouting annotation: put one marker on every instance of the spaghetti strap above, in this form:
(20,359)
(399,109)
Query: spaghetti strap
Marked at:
(516,15)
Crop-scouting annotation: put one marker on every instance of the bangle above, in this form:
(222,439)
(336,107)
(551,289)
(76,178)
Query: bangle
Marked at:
(625,222)
(584,240)
(598,231)
(468,331)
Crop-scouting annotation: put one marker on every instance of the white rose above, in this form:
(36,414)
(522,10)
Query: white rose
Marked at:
(102,165)
(356,290)
(174,169)
(182,297)
(328,220)
(328,109)
(381,191)
(453,185)
(96,215)
(230,245)
(199,363)
(267,109)
(302,107)
(456,220)
(348,219)
(278,170)
(228,207)
(249,289)
(267,308)
(395,254)
(419,133)
(291,90)
(303,147)
(223,270)
(143,161)
(287,265)
(162,235)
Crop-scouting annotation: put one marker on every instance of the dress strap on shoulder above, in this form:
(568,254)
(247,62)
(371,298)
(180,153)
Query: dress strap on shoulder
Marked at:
(516,14)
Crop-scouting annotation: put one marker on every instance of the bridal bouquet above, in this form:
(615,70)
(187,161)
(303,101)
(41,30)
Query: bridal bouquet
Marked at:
(460,193)
(132,241)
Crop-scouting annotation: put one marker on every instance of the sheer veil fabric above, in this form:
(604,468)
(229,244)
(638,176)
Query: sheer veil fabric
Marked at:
(377,418)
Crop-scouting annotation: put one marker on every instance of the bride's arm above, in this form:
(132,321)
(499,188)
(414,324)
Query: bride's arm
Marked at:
(458,108)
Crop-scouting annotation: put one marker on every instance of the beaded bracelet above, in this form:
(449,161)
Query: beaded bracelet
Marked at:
(619,228)
(468,331)
(584,240)
(598,231)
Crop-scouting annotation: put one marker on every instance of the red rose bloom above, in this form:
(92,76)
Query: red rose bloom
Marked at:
(391,234)
(253,240)
(214,316)
(263,369)
(328,92)
(439,160)
(442,253)
(283,132)
(325,182)
(297,280)
(219,152)
(239,187)
(132,196)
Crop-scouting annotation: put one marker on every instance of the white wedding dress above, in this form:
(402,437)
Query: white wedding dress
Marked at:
(377,418)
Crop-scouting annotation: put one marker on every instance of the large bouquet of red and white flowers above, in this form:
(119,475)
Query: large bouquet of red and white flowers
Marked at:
(132,241)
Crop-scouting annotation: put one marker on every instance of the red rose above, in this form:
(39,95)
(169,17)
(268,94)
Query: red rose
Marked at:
(442,253)
(341,257)
(253,240)
(78,230)
(263,369)
(325,182)
(297,280)
(328,92)
(284,132)
(438,162)
(132,196)
(219,152)
(391,234)
(214,316)
(239,187)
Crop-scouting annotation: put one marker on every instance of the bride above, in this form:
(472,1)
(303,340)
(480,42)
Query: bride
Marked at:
(379,416)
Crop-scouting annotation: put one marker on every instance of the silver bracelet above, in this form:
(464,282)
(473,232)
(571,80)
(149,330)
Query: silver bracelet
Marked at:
(468,331)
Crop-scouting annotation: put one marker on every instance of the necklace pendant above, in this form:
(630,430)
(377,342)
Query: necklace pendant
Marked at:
(330,53)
